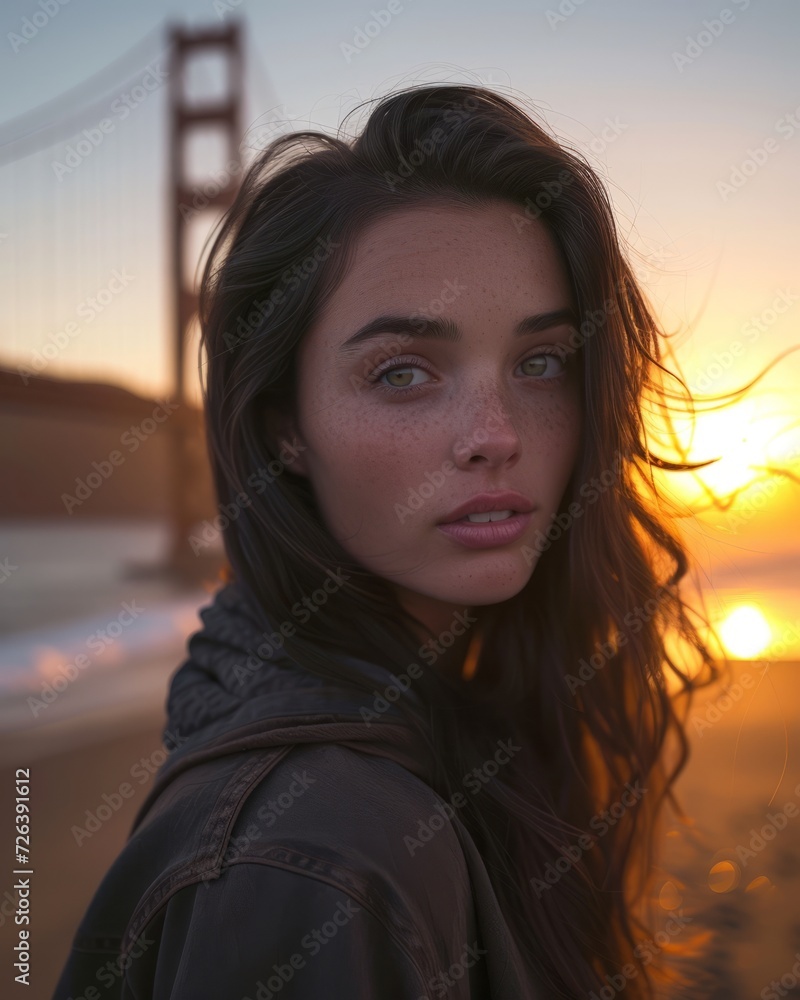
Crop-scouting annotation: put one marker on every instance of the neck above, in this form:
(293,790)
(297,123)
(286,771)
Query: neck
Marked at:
(447,633)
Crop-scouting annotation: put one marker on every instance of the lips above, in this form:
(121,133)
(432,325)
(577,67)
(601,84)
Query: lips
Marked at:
(482,503)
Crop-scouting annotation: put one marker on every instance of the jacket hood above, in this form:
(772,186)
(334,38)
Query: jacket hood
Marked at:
(238,691)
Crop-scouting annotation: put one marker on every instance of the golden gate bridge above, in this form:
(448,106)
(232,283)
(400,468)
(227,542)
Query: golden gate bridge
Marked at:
(109,191)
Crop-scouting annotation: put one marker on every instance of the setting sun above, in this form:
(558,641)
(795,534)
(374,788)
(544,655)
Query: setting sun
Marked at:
(745,632)
(746,440)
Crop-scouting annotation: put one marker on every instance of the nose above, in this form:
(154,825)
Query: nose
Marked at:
(488,436)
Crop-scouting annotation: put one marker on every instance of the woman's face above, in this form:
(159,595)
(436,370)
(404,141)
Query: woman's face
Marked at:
(400,427)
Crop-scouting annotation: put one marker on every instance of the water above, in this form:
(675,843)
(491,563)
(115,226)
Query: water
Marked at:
(72,591)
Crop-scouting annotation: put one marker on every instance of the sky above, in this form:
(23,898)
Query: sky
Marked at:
(690,111)
(666,100)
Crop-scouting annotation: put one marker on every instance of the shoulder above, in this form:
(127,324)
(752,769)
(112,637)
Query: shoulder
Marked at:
(365,814)
(259,932)
(337,860)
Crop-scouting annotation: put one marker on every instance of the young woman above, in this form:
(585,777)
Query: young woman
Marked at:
(421,744)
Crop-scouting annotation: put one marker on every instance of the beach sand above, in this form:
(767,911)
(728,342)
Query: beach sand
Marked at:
(744,769)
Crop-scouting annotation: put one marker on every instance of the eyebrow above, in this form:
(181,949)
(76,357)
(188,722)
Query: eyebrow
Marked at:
(447,329)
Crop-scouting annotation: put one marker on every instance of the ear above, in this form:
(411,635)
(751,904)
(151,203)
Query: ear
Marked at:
(283,429)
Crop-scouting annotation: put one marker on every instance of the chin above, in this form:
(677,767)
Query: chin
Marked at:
(482,585)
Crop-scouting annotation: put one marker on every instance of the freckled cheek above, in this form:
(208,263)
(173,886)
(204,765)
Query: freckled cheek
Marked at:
(555,439)
(366,468)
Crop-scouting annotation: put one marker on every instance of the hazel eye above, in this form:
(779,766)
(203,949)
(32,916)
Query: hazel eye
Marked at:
(540,364)
(403,373)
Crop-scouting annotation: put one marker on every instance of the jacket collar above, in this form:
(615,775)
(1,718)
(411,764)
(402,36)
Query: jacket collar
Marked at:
(237,692)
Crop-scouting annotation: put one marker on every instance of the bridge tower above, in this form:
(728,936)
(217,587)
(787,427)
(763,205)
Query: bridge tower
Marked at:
(187,118)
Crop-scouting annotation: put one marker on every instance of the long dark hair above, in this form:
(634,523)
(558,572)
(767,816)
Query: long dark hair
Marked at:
(574,667)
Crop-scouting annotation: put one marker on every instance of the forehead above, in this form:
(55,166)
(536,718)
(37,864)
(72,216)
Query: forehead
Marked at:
(404,260)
